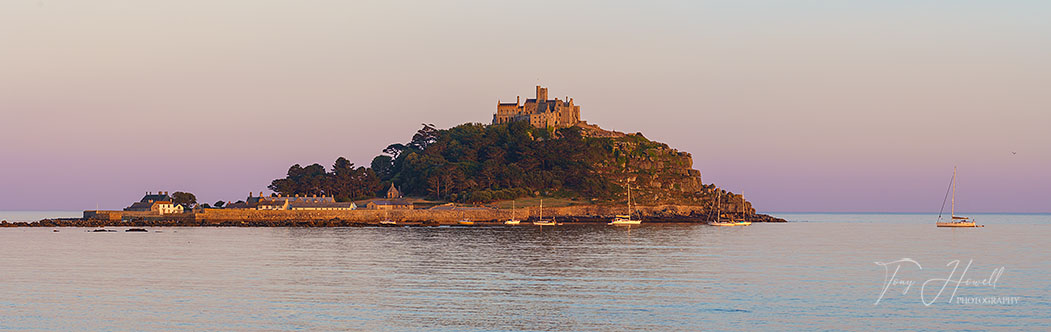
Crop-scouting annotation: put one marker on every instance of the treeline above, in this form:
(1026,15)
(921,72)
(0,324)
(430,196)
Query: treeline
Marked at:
(344,182)
(468,163)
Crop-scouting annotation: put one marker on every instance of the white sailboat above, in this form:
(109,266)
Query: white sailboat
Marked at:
(626,220)
(386,220)
(541,221)
(954,220)
(718,216)
(513,220)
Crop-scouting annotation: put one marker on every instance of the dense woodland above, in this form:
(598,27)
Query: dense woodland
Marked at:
(472,163)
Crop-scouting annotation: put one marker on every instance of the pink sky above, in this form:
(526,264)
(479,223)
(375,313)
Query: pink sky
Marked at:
(837,106)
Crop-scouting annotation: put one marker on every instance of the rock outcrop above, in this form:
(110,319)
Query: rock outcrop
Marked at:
(658,174)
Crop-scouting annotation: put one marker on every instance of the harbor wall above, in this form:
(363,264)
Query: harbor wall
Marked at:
(233,217)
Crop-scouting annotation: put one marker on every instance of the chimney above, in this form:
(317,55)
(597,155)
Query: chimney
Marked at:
(518,100)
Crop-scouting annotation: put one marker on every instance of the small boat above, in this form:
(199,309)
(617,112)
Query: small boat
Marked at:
(512,221)
(465,221)
(730,223)
(540,221)
(625,220)
(954,220)
(719,217)
(386,220)
(136,230)
(102,230)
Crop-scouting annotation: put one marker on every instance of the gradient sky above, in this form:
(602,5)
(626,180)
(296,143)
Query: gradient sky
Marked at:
(800,105)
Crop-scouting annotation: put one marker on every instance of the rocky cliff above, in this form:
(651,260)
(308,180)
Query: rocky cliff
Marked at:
(659,175)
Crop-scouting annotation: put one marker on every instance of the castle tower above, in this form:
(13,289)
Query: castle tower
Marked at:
(541,94)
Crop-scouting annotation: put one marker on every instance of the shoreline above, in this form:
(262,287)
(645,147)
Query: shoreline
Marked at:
(339,222)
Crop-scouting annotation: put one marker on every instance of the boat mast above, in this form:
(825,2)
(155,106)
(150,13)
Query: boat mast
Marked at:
(719,206)
(629,201)
(952,206)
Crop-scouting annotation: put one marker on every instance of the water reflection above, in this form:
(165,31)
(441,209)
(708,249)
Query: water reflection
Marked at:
(666,277)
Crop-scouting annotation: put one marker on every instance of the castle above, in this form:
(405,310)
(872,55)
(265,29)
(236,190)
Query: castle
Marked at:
(540,112)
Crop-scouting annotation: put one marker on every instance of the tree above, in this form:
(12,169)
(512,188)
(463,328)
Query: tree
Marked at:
(383,166)
(184,199)
(395,150)
(474,162)
(344,183)
(425,137)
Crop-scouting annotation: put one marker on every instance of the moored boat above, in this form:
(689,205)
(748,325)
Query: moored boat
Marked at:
(954,220)
(540,221)
(386,220)
(465,221)
(513,220)
(719,216)
(626,220)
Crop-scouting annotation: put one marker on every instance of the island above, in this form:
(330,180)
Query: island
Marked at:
(533,153)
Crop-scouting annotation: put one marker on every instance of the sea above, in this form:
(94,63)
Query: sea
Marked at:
(821,271)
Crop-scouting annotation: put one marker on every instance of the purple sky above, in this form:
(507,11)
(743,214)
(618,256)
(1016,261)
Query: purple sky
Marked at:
(803,106)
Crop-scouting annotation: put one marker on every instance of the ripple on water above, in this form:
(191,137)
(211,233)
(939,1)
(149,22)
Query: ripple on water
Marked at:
(671,277)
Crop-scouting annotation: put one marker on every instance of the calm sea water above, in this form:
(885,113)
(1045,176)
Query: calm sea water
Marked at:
(818,274)
(30,216)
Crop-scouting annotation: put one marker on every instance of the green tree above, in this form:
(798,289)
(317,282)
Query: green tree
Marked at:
(475,163)
(383,166)
(184,198)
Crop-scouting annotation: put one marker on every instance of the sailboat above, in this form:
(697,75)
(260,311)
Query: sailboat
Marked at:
(464,220)
(512,221)
(954,221)
(719,215)
(386,220)
(541,221)
(626,220)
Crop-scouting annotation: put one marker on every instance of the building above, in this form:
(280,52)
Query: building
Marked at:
(160,203)
(389,204)
(540,112)
(166,207)
(394,201)
(393,192)
(296,202)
